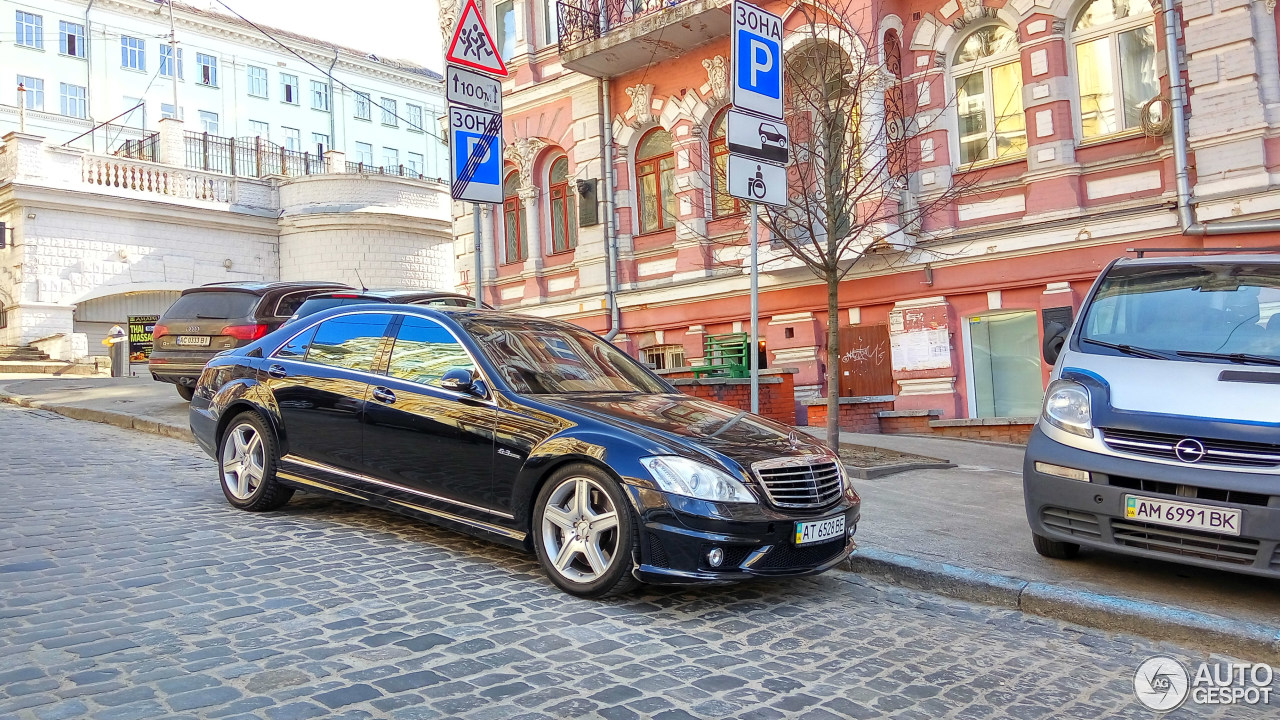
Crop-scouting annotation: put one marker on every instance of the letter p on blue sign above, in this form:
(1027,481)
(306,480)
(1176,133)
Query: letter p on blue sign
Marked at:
(757,61)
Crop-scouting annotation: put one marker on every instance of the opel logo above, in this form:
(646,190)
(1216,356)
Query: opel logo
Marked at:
(1189,450)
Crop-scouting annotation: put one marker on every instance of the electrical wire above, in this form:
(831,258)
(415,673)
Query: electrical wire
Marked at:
(322,71)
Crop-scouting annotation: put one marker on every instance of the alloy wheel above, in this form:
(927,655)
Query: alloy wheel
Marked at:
(243,461)
(580,530)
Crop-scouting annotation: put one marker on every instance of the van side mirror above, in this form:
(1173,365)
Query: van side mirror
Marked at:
(1055,336)
(458,380)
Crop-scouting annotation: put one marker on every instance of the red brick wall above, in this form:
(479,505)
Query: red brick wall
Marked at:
(855,417)
(900,425)
(1016,434)
(777,399)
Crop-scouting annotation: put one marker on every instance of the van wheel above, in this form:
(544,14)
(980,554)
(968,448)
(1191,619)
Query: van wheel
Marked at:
(185,392)
(1055,549)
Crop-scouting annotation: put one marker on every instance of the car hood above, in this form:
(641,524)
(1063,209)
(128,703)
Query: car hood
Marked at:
(693,424)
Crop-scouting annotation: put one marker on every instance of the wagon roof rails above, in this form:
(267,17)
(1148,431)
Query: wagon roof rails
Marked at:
(1239,250)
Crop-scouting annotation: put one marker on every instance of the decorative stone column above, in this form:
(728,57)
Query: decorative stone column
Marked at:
(524,153)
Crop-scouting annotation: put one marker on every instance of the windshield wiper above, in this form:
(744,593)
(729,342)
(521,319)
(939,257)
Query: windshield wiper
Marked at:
(1128,349)
(1233,357)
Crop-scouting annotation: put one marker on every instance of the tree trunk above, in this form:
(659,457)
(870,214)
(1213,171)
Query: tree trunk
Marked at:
(833,362)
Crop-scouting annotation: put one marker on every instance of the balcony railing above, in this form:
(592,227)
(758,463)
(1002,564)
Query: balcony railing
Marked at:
(606,38)
(396,170)
(583,20)
(248,157)
(144,148)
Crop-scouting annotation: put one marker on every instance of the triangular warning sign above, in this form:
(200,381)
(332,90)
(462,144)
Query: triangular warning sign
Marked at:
(472,46)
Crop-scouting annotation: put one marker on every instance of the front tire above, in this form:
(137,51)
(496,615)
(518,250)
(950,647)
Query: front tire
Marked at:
(1055,549)
(247,455)
(585,534)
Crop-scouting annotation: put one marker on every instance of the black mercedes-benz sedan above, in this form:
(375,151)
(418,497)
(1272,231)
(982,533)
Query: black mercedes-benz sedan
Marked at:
(530,432)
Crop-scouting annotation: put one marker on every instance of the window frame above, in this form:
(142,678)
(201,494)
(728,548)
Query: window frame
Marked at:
(985,66)
(206,117)
(394,339)
(208,65)
(321,140)
(64,32)
(389,109)
(30,28)
(378,353)
(665,223)
(320,93)
(263,81)
(253,126)
(363,102)
(358,154)
(413,117)
(718,147)
(82,100)
(286,86)
(164,60)
(133,53)
(33,92)
(1112,31)
(514,205)
(288,134)
(570,222)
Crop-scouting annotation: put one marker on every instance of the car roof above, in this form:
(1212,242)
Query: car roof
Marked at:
(1225,259)
(396,294)
(262,287)
(458,315)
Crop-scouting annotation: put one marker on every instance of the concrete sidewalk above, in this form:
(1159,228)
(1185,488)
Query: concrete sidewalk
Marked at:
(961,532)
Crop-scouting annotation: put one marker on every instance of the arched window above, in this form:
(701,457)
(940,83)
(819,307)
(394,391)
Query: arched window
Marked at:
(513,214)
(1115,43)
(655,181)
(988,81)
(723,204)
(564,224)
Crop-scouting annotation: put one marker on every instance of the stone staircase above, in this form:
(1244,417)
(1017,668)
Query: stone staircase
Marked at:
(28,360)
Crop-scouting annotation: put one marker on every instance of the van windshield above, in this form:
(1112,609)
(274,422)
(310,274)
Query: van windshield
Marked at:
(1202,311)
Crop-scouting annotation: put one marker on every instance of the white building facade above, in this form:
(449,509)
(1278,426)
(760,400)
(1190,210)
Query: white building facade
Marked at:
(267,172)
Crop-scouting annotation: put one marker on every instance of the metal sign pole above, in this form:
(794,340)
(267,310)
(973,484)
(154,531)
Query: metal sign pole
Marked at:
(479,247)
(754,350)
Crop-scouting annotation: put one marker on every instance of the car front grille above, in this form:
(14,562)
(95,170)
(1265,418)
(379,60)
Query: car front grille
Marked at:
(784,556)
(1275,559)
(1216,452)
(806,482)
(1071,522)
(1220,548)
(1235,497)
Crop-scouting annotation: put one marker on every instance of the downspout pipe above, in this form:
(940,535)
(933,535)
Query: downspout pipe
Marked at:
(333,104)
(1182,180)
(610,232)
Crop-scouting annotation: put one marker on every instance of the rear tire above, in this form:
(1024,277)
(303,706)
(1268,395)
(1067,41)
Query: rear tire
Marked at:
(1055,549)
(185,391)
(585,533)
(247,456)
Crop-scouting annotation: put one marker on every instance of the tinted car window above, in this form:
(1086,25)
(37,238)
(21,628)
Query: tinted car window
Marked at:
(296,349)
(213,305)
(542,359)
(316,304)
(424,350)
(447,302)
(349,341)
(290,303)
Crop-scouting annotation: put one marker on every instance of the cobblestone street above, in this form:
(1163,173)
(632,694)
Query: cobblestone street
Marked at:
(129,589)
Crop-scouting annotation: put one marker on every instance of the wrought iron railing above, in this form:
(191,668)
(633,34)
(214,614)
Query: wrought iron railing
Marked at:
(396,170)
(145,148)
(583,20)
(248,157)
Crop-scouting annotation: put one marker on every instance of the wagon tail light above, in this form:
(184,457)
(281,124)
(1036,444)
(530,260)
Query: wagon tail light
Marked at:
(245,332)
(158,330)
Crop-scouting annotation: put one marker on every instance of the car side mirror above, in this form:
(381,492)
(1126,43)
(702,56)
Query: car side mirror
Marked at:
(458,380)
(1055,336)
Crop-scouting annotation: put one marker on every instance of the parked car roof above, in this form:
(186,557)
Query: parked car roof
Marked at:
(261,287)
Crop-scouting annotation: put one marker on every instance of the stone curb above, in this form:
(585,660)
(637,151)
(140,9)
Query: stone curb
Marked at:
(879,471)
(1115,613)
(109,417)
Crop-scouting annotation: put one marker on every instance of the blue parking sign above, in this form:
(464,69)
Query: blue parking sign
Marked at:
(475,147)
(488,170)
(756,82)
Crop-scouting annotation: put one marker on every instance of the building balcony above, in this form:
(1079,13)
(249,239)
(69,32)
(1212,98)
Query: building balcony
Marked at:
(607,38)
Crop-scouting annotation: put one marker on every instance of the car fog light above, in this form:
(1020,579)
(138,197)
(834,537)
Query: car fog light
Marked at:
(1063,472)
(715,557)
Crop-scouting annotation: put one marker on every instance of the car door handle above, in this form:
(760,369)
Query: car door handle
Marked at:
(384,395)
(277,371)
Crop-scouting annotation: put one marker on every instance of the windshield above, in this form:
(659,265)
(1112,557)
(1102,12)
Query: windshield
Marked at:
(543,359)
(1207,308)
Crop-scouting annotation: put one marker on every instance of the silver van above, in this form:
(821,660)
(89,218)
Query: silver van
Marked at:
(1160,430)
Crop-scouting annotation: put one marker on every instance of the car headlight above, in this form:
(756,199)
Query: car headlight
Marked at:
(847,482)
(682,476)
(1067,407)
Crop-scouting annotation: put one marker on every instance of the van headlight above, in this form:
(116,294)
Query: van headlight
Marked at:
(1067,407)
(682,476)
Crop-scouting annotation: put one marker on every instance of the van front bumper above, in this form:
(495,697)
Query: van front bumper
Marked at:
(1092,513)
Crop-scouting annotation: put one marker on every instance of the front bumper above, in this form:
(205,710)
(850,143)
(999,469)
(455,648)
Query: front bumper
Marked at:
(677,533)
(1092,513)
